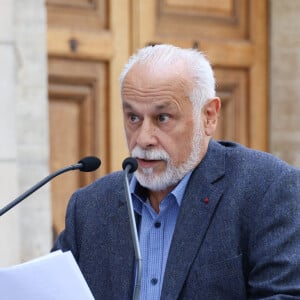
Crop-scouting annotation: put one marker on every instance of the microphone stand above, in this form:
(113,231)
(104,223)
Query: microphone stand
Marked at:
(37,186)
(86,164)
(138,257)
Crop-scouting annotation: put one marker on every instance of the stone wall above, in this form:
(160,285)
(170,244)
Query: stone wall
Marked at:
(32,125)
(25,231)
(9,227)
(285,80)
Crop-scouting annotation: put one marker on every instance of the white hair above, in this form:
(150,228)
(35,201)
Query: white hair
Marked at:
(197,65)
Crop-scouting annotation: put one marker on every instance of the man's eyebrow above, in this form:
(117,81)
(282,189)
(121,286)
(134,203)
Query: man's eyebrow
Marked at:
(127,105)
(164,105)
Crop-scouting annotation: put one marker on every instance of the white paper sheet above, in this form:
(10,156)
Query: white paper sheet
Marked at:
(55,276)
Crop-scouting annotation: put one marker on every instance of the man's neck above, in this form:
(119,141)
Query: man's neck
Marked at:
(156,197)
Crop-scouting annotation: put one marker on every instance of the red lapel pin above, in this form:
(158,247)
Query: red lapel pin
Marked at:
(206,200)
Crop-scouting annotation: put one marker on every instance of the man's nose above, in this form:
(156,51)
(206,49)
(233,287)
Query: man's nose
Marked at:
(147,135)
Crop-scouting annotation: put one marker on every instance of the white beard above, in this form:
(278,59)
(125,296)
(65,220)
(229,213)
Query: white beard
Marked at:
(172,175)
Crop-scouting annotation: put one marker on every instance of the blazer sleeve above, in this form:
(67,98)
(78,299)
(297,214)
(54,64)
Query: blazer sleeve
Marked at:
(274,241)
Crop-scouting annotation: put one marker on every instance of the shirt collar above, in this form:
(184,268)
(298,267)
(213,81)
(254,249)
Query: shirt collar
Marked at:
(142,193)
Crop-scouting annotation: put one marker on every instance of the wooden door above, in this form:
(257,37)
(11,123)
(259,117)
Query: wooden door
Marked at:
(90,40)
(233,35)
(87,47)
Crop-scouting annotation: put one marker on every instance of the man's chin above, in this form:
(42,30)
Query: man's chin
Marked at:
(154,182)
(145,172)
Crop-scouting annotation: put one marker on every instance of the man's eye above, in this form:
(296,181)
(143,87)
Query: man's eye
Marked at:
(163,118)
(133,118)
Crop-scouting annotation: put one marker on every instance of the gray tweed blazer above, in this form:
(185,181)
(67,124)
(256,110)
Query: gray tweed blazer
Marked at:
(237,235)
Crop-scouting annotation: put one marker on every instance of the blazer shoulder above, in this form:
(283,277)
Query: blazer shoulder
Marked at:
(256,158)
(246,163)
(103,192)
(108,183)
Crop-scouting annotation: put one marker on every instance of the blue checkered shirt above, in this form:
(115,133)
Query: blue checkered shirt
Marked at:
(155,234)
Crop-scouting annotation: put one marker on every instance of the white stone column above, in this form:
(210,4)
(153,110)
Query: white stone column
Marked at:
(32,126)
(25,231)
(9,225)
(285,80)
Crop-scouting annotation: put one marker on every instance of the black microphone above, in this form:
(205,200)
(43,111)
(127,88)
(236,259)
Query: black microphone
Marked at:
(129,165)
(89,164)
(86,164)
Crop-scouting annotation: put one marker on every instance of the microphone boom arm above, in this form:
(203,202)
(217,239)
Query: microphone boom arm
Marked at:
(86,164)
(37,186)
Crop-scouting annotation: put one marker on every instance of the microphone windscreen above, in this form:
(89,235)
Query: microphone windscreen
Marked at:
(89,163)
(132,162)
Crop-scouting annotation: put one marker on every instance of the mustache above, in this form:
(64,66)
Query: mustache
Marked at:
(150,154)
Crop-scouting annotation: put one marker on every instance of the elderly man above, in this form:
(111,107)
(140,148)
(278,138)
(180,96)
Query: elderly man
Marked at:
(215,220)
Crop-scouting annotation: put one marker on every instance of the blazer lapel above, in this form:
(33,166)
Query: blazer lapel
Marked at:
(201,198)
(121,253)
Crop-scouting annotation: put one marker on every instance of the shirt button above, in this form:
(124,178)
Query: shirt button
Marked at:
(154,281)
(157,224)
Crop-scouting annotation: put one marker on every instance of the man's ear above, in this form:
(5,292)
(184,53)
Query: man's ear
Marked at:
(210,115)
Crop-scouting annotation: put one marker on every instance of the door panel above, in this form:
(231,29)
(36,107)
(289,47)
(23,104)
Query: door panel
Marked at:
(217,19)
(78,126)
(234,117)
(78,14)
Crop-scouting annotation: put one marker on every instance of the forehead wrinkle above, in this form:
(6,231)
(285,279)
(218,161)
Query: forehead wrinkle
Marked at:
(155,80)
(157,107)
(150,90)
(158,87)
(166,98)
